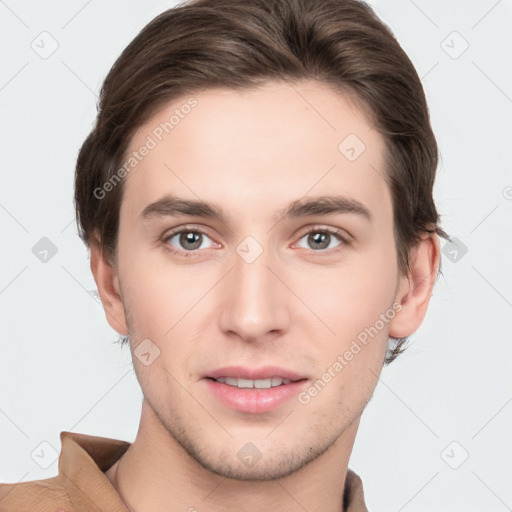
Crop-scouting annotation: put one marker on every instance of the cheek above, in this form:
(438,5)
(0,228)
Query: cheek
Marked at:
(353,303)
(167,306)
(351,297)
(157,292)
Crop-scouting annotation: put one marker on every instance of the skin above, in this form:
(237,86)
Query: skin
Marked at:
(298,305)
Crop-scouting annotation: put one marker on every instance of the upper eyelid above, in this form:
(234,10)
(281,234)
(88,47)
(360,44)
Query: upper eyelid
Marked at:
(177,231)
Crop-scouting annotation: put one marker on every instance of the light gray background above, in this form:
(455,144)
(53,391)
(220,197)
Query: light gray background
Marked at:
(59,369)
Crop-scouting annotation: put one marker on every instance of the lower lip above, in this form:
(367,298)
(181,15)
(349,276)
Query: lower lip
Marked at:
(253,400)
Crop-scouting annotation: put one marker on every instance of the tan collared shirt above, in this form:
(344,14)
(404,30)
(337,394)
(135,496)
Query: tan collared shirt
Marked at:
(82,486)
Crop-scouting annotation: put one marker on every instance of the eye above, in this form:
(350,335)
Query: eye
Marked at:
(188,240)
(320,239)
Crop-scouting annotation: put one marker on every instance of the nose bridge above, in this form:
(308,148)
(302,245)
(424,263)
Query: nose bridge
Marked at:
(256,301)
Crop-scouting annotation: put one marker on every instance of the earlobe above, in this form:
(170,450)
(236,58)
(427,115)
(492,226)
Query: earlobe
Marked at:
(415,289)
(107,282)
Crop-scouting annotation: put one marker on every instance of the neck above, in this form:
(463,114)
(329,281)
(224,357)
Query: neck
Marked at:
(156,472)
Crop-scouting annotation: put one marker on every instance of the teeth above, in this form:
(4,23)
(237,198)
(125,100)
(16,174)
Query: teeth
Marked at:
(248,383)
(267,383)
(245,383)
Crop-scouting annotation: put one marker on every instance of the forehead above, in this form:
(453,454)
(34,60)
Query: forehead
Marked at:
(264,146)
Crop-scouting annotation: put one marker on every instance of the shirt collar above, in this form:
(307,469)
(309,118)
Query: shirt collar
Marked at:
(82,463)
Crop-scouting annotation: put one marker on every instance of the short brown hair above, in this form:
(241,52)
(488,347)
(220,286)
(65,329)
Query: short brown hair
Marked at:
(243,43)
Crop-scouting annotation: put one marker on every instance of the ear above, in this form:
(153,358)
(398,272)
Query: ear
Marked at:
(414,289)
(107,283)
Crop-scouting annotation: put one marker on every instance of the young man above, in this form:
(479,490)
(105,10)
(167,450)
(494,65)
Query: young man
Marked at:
(288,142)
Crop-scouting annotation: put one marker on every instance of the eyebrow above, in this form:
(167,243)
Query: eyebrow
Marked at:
(171,206)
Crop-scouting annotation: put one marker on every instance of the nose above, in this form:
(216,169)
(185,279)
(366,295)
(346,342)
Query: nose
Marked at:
(255,302)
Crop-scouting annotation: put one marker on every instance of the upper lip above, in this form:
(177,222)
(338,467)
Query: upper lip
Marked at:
(264,372)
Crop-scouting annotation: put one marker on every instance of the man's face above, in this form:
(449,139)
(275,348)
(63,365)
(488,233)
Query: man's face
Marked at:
(256,288)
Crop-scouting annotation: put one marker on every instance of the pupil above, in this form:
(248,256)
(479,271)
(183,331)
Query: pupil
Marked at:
(320,238)
(189,237)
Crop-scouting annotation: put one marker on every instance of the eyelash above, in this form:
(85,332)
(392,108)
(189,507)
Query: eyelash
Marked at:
(315,229)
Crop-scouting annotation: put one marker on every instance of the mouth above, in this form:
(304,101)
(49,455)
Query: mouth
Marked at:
(253,390)
(240,383)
